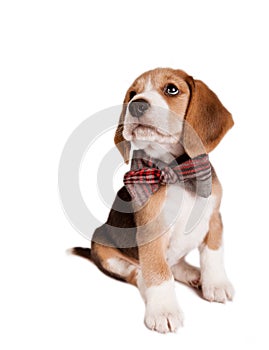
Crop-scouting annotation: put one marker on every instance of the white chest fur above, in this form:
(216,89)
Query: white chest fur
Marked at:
(188,217)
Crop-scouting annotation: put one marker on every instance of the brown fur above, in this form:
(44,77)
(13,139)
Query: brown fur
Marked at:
(151,242)
(123,146)
(207,116)
(149,219)
(154,267)
(100,256)
(213,239)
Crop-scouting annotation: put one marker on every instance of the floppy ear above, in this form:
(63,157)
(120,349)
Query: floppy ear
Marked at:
(206,117)
(123,146)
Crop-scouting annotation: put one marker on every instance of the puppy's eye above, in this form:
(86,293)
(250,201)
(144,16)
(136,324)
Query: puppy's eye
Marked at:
(171,90)
(132,95)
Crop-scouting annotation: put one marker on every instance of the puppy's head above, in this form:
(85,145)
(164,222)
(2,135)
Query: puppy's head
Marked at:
(168,107)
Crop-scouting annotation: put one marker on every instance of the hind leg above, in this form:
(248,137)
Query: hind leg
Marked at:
(186,273)
(115,264)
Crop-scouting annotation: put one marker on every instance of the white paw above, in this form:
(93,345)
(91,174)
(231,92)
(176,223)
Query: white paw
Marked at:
(162,311)
(219,292)
(163,319)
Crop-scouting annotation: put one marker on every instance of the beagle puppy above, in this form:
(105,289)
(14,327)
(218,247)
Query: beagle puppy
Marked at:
(167,115)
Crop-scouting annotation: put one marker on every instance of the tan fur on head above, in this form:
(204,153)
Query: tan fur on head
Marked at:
(123,146)
(206,116)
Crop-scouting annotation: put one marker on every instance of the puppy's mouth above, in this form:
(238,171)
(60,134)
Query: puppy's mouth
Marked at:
(143,132)
(146,131)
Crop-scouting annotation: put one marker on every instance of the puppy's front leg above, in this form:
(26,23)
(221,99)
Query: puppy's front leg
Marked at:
(156,282)
(215,283)
(162,311)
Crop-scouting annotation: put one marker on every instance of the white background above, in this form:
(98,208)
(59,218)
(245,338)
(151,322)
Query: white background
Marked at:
(62,61)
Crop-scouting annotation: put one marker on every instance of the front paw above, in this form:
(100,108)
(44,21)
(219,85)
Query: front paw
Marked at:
(163,318)
(162,311)
(218,291)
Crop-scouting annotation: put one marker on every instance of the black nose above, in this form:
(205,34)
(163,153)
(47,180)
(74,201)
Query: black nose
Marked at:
(138,107)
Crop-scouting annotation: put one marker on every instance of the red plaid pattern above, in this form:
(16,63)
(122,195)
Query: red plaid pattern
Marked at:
(147,175)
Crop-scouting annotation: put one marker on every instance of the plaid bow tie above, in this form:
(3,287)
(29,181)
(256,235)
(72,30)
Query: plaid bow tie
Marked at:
(148,174)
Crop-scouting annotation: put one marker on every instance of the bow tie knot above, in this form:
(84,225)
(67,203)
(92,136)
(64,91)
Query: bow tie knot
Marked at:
(168,176)
(147,175)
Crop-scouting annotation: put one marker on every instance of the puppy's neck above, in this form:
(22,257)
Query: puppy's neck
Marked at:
(166,152)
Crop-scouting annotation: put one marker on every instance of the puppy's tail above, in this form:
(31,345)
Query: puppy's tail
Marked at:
(82,252)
